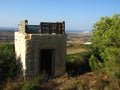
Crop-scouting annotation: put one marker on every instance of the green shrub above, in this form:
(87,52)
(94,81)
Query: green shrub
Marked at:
(94,63)
(8,64)
(35,83)
(106,45)
(77,64)
(117,74)
(31,86)
(85,46)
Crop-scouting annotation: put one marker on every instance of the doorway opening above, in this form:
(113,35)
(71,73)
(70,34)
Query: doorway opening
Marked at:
(47,61)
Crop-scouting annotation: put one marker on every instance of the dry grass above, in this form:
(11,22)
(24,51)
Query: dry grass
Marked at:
(88,81)
(13,85)
(75,47)
(75,50)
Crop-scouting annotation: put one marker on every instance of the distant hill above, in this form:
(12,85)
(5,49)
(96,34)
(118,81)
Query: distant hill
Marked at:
(79,36)
(8,28)
(6,35)
(78,30)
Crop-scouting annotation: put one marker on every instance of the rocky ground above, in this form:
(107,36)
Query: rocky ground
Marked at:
(88,81)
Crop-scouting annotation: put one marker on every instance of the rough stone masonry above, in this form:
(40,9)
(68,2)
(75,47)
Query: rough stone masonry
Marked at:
(41,48)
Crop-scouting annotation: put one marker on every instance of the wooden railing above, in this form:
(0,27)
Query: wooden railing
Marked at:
(43,28)
(48,27)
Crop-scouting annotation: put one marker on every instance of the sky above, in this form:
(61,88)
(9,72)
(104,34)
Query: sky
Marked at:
(77,14)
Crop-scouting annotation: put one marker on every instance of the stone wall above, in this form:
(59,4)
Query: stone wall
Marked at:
(20,49)
(28,46)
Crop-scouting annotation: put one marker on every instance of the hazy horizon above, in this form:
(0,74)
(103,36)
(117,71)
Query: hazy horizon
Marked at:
(16,28)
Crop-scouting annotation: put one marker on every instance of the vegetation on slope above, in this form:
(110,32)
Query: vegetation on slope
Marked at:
(106,45)
(104,55)
(8,64)
(77,64)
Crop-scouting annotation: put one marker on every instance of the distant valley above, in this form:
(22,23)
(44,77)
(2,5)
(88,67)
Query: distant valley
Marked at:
(7,35)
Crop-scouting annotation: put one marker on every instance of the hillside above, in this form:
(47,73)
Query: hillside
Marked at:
(84,81)
(6,36)
(88,81)
(78,37)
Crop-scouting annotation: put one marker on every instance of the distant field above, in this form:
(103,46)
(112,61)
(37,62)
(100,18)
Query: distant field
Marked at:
(75,41)
(6,36)
(73,38)
(75,50)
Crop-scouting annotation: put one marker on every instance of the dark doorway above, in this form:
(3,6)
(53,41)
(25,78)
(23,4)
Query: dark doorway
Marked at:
(47,61)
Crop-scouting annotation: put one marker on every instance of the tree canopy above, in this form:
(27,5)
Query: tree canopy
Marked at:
(106,44)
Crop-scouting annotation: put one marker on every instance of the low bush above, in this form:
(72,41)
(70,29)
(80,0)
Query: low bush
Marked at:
(8,64)
(77,63)
(85,46)
(35,83)
(31,86)
(94,63)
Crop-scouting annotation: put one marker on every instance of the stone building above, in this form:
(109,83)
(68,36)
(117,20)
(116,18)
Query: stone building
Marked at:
(41,48)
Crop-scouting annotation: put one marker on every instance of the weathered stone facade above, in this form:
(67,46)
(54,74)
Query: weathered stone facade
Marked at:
(41,50)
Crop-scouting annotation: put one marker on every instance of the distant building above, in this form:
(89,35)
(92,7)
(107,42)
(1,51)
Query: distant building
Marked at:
(41,48)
